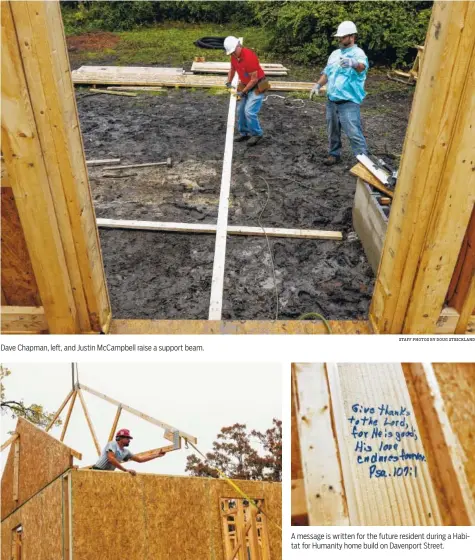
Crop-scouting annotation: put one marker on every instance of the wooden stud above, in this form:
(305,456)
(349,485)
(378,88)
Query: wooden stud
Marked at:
(324,490)
(211,228)
(68,416)
(217,280)
(435,190)
(58,412)
(166,449)
(47,73)
(23,320)
(89,421)
(240,532)
(449,455)
(137,413)
(114,424)
(30,182)
(467,309)
(9,441)
(253,537)
(395,500)
(16,470)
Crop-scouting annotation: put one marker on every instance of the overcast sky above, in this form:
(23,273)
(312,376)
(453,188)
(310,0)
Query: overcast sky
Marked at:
(195,398)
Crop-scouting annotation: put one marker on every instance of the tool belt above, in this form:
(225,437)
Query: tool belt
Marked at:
(262,85)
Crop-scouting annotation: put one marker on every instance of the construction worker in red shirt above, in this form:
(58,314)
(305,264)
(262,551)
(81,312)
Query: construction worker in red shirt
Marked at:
(252,84)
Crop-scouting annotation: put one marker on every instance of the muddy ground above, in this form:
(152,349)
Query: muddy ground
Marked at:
(167,275)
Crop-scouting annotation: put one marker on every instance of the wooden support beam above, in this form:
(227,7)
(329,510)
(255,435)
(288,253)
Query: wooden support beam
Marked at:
(47,169)
(150,452)
(58,412)
(138,413)
(217,280)
(324,490)
(114,424)
(89,421)
(16,469)
(449,454)
(23,320)
(403,493)
(436,185)
(68,416)
(211,228)
(467,309)
(9,441)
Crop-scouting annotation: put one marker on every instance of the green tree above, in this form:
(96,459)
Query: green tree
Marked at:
(235,455)
(17,408)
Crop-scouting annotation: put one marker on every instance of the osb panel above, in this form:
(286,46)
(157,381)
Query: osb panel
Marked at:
(42,523)
(427,444)
(42,459)
(457,385)
(152,517)
(18,280)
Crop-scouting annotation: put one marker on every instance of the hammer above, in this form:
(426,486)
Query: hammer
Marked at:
(168,163)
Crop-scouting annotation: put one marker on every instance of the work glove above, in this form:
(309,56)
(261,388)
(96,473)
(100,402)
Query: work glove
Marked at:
(229,85)
(348,63)
(315,90)
(241,94)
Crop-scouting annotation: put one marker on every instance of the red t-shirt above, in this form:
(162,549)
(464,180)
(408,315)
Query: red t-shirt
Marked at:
(247,63)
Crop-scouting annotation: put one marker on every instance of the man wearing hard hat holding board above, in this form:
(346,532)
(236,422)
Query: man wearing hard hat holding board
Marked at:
(252,84)
(345,75)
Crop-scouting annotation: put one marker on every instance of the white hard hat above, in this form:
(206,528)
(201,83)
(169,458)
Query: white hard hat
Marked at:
(346,28)
(230,44)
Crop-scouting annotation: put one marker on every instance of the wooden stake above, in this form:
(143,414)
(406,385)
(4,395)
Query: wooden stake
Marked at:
(58,412)
(89,421)
(68,416)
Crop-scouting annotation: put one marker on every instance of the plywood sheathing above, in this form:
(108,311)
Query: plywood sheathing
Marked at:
(42,522)
(158,517)
(18,279)
(42,459)
(457,386)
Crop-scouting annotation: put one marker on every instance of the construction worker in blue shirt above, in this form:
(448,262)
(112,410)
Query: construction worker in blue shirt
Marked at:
(345,75)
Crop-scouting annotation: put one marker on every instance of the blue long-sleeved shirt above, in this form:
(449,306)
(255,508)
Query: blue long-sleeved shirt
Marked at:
(346,84)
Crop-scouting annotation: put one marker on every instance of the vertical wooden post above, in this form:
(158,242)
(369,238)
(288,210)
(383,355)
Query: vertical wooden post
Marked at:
(241,530)
(436,187)
(56,172)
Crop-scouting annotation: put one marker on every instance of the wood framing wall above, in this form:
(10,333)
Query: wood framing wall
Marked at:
(440,401)
(435,194)
(41,459)
(44,158)
(159,517)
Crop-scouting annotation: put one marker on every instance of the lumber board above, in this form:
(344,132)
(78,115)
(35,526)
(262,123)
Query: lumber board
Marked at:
(127,70)
(68,416)
(42,522)
(211,228)
(449,319)
(26,320)
(30,181)
(217,280)
(42,458)
(135,165)
(434,196)
(18,279)
(89,420)
(224,67)
(9,441)
(298,496)
(108,92)
(114,423)
(16,470)
(60,409)
(359,170)
(135,77)
(146,326)
(136,412)
(135,88)
(324,491)
(467,308)
(372,394)
(96,162)
(449,454)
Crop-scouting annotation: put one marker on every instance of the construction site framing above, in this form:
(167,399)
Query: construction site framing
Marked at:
(53,279)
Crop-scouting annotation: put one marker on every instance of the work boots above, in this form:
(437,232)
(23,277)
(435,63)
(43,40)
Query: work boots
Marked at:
(331,160)
(254,140)
(241,138)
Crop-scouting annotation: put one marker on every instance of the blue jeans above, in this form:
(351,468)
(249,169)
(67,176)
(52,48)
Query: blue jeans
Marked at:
(248,109)
(345,116)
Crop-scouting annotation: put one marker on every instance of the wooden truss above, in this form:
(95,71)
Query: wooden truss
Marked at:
(244,530)
(427,485)
(53,279)
(170,433)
